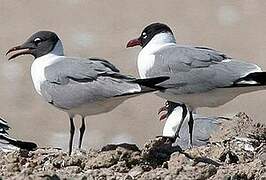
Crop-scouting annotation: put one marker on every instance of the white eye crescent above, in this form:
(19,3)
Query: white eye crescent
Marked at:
(37,40)
(144,35)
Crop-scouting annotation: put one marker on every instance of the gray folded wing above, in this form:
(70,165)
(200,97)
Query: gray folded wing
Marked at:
(197,69)
(72,82)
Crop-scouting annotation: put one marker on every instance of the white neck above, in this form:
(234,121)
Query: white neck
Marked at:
(39,65)
(146,56)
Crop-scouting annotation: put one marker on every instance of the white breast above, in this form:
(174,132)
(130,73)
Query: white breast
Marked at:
(37,69)
(145,63)
(146,56)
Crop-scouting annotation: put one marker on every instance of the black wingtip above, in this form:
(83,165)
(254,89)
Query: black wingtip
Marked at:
(20,144)
(147,85)
(30,146)
(252,79)
(152,82)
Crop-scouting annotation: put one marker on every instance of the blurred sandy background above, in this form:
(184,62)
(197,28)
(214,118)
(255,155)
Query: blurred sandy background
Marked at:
(101,29)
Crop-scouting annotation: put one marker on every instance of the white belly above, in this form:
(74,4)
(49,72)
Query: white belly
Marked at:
(96,108)
(212,98)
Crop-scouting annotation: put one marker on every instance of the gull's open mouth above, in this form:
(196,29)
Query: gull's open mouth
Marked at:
(22,51)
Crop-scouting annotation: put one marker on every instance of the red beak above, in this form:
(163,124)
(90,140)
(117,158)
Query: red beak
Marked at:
(133,42)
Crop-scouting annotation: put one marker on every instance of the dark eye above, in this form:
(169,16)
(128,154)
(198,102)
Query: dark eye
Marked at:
(37,40)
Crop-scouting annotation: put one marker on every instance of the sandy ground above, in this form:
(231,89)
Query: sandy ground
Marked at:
(236,150)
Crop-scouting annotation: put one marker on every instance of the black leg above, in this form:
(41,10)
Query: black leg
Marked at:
(190,126)
(82,130)
(72,131)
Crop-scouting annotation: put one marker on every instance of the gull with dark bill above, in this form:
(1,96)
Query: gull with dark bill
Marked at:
(78,86)
(199,76)
(8,144)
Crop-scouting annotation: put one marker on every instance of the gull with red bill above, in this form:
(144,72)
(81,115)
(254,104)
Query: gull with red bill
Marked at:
(199,76)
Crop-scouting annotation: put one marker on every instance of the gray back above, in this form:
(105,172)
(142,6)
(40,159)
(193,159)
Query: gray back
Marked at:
(197,69)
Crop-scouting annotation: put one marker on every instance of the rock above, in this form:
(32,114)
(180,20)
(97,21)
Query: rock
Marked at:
(109,147)
(104,160)
(52,177)
(157,174)
(158,151)
(237,151)
(177,162)
(229,157)
(135,172)
(207,172)
(13,167)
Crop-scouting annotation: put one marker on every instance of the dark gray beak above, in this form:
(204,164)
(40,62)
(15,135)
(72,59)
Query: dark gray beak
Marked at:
(26,50)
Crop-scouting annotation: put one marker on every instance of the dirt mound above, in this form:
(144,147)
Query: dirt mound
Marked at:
(236,151)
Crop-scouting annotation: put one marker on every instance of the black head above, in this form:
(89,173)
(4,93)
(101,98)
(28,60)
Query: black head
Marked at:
(39,44)
(148,33)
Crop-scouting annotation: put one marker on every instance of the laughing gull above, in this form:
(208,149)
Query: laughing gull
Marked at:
(78,86)
(8,144)
(199,76)
(176,114)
